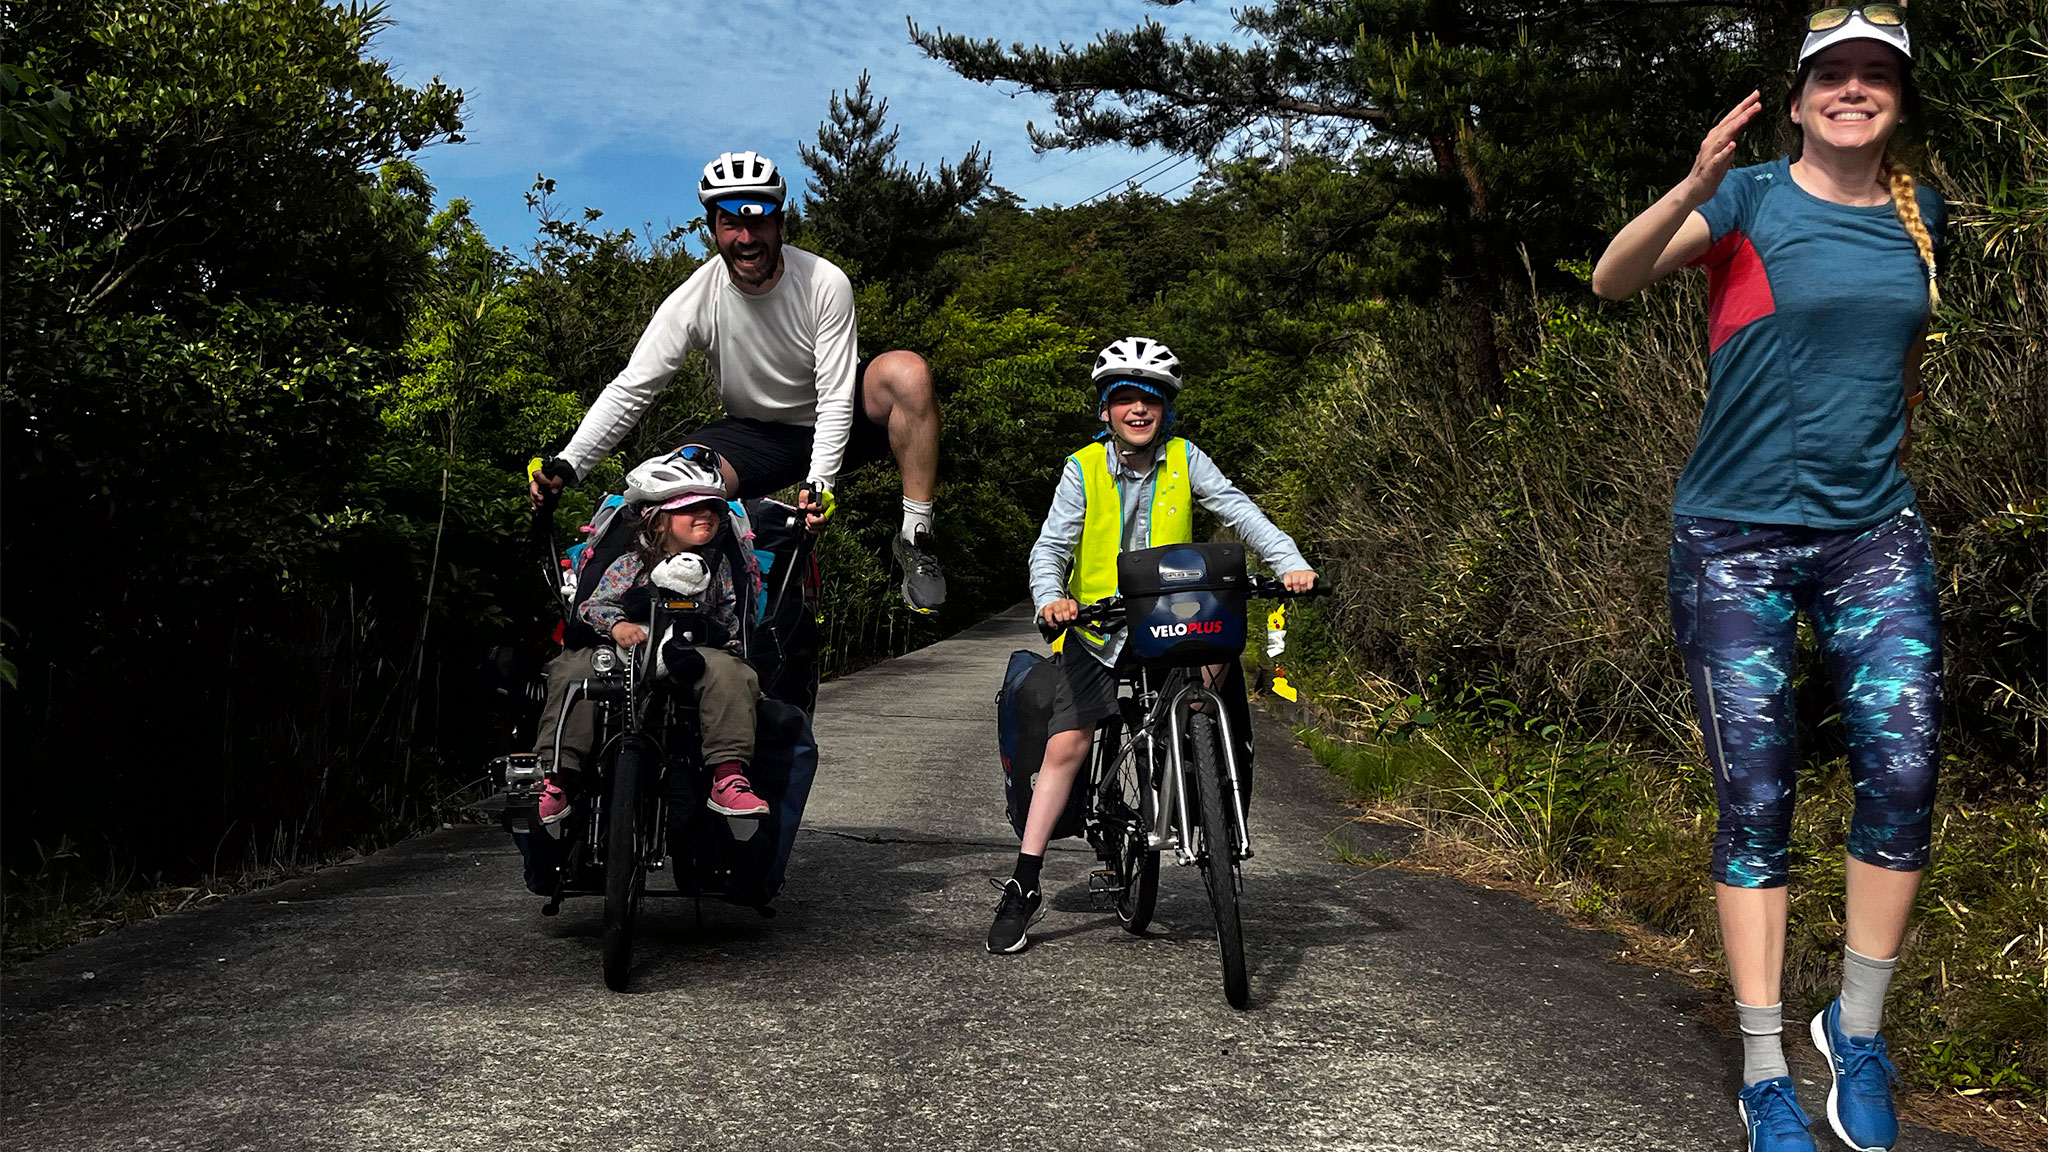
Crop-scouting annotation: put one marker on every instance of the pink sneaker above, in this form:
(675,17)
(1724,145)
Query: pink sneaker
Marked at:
(734,796)
(554,803)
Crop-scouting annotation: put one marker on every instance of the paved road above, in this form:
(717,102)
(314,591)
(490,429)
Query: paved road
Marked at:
(417,1000)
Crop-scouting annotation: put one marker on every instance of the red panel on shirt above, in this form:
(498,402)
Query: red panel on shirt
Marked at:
(1738,291)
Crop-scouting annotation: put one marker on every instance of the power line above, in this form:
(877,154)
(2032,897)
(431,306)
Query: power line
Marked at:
(1050,175)
(1131,177)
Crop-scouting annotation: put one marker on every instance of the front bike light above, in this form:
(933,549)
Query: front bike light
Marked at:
(605,661)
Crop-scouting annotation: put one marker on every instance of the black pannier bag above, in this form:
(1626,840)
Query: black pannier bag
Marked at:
(743,859)
(1184,604)
(1024,707)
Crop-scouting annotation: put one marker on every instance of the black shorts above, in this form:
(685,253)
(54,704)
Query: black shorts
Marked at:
(1085,695)
(770,455)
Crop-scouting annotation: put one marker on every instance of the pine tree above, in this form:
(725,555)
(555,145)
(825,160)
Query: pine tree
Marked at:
(871,209)
(1499,137)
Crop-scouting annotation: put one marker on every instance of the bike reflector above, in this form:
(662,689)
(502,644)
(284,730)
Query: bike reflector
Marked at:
(1184,604)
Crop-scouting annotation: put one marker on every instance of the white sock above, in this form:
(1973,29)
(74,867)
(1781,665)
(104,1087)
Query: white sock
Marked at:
(1864,983)
(1763,1045)
(917,514)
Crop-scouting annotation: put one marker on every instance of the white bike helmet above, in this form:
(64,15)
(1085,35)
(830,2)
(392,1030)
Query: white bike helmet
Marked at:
(742,183)
(672,481)
(1141,361)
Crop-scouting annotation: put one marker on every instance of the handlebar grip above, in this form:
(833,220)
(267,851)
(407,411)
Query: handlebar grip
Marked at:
(1051,632)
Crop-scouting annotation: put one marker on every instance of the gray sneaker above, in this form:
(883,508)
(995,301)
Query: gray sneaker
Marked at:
(924,584)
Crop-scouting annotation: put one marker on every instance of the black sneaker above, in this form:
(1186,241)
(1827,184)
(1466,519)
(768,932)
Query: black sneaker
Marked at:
(1015,912)
(924,584)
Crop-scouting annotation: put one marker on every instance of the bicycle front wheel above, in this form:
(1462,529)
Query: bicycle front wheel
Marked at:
(624,871)
(1137,867)
(1219,853)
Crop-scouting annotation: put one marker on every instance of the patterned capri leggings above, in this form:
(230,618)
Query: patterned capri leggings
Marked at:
(1736,594)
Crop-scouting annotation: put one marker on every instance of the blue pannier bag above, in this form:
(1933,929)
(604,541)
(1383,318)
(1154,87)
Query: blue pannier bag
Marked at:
(1023,712)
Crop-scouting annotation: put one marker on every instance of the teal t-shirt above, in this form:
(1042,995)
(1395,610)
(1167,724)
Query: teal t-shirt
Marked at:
(1811,307)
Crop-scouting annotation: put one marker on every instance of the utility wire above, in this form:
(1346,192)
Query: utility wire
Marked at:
(1134,177)
(1128,179)
(1050,175)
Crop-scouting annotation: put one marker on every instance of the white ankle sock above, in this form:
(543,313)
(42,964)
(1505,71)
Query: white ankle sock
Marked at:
(1864,983)
(917,514)
(1763,1042)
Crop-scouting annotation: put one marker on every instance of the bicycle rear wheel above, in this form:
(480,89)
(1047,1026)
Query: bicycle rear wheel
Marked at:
(1137,867)
(1219,853)
(625,873)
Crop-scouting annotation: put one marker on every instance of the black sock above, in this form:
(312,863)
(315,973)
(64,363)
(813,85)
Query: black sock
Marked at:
(1026,874)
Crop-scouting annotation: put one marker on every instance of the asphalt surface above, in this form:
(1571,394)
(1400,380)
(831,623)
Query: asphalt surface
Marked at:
(416,999)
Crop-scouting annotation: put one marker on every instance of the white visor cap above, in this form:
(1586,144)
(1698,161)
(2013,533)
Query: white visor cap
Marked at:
(1857,28)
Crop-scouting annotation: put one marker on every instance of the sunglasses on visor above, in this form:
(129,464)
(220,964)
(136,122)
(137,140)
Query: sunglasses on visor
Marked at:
(1881,15)
(695,454)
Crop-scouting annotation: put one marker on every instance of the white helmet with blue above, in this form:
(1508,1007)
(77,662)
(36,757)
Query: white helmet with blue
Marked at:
(1138,361)
(675,480)
(742,183)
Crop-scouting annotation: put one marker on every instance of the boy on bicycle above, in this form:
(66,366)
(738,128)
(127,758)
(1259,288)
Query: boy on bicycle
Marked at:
(1132,488)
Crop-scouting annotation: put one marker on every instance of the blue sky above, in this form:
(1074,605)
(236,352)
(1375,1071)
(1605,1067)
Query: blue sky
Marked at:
(622,101)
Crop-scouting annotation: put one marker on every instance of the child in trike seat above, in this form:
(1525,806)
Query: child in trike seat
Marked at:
(1132,488)
(682,510)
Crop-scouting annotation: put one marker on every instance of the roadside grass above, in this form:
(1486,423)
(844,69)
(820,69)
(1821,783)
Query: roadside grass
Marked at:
(72,894)
(1621,838)
(65,898)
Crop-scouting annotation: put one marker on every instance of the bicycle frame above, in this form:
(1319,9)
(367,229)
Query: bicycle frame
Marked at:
(1165,795)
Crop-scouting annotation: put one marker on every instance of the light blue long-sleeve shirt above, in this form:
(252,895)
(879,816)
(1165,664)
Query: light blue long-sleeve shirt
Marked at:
(1054,550)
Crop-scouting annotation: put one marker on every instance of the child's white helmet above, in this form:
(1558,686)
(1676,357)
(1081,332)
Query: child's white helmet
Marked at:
(742,183)
(1138,360)
(671,482)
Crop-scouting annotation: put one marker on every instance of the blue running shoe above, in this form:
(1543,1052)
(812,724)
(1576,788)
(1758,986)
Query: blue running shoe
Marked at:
(1773,1119)
(1860,1100)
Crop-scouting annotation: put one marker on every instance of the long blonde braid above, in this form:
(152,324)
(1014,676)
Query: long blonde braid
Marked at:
(1907,205)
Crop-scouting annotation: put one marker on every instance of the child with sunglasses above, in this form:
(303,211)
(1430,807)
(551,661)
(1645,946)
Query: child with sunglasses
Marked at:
(1821,282)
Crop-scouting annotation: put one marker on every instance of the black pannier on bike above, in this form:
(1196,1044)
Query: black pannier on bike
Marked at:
(1184,604)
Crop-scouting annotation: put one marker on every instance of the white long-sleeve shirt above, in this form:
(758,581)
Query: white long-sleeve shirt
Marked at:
(787,356)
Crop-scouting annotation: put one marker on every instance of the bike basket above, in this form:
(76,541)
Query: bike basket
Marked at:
(1184,603)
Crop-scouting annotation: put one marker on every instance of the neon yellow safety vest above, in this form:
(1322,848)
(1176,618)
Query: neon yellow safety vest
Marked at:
(1093,573)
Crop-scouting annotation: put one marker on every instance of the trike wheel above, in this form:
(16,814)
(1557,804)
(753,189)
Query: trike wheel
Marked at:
(624,871)
(1219,854)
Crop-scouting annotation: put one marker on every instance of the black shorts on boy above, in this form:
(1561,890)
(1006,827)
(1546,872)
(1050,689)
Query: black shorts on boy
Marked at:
(1084,695)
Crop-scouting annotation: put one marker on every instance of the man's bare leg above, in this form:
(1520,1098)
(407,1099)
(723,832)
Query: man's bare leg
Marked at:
(897,394)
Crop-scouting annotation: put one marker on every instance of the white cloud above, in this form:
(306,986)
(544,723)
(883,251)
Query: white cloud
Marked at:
(626,100)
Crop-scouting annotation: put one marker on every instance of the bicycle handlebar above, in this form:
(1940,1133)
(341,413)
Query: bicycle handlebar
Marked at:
(1108,614)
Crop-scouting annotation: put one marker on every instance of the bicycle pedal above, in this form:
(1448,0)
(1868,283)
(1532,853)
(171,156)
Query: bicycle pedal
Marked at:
(1102,882)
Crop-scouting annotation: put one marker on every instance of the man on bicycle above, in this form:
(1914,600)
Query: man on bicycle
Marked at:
(777,325)
(1131,488)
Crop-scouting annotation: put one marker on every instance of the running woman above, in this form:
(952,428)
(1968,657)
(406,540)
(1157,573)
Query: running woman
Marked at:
(777,324)
(1820,269)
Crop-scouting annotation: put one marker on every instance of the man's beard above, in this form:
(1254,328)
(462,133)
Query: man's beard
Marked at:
(770,264)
